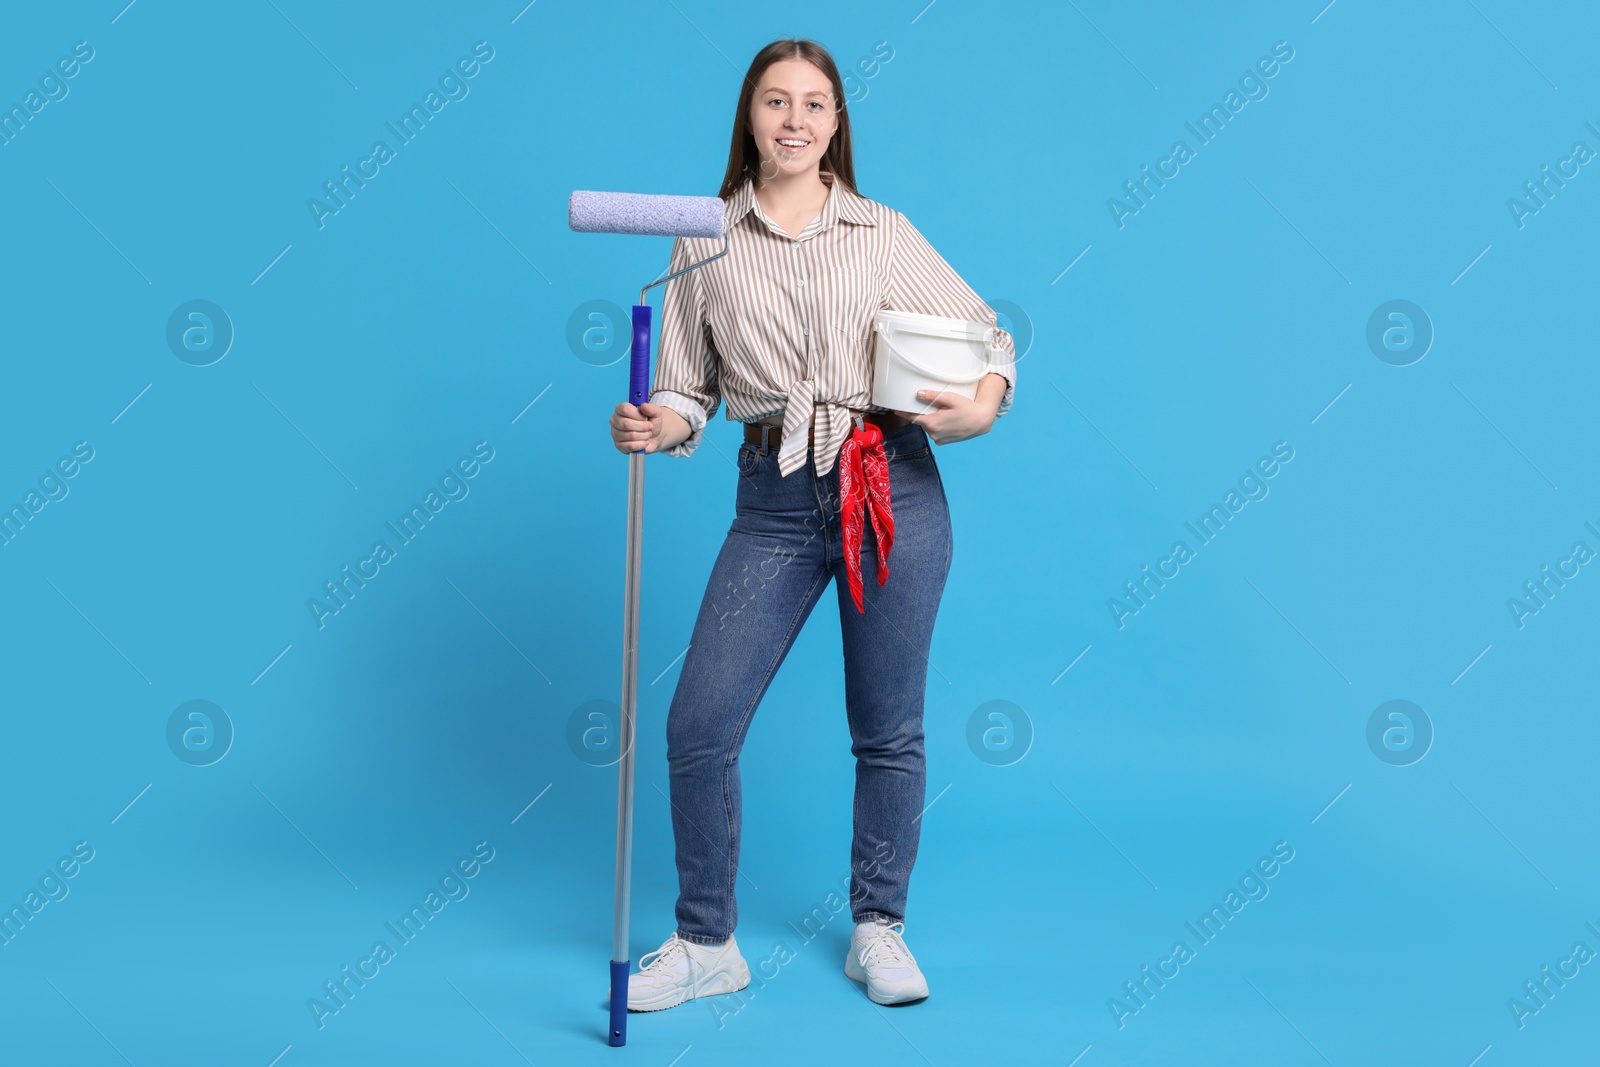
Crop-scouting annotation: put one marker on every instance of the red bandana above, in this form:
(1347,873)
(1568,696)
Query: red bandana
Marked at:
(864,485)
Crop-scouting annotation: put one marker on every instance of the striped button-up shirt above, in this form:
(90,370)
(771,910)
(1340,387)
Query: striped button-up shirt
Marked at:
(783,324)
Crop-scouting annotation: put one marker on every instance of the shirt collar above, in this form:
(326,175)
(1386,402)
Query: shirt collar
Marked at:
(842,204)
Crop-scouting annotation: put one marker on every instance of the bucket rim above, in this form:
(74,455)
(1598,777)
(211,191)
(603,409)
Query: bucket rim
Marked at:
(931,325)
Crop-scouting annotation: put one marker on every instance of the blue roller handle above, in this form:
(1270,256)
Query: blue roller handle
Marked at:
(639,378)
(619,1002)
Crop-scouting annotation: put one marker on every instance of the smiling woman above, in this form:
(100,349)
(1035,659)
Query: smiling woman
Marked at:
(793,122)
(828,483)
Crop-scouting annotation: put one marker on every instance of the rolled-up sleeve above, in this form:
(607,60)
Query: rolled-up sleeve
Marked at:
(686,360)
(921,281)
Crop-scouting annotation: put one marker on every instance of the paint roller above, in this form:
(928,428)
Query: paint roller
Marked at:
(653,216)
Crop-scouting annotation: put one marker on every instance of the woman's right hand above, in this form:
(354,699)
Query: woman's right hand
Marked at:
(633,426)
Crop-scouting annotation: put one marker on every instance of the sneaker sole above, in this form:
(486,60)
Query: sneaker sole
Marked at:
(726,981)
(853,971)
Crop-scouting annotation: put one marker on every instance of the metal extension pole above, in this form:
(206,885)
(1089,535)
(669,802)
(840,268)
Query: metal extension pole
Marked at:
(629,727)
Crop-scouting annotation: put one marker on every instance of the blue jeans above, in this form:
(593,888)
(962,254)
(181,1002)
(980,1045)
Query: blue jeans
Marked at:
(784,547)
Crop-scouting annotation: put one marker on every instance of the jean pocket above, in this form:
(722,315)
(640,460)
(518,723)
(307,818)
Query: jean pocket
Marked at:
(749,460)
(907,443)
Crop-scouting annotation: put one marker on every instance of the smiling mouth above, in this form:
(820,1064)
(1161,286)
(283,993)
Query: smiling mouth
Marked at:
(793,147)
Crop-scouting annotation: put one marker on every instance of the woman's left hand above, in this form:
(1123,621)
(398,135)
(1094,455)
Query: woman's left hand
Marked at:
(955,417)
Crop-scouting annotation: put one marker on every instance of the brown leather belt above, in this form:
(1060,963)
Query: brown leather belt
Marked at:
(767,435)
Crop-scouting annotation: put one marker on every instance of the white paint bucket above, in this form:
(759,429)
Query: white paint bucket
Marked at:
(913,351)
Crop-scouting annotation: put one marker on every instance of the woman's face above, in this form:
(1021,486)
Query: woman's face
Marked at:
(793,116)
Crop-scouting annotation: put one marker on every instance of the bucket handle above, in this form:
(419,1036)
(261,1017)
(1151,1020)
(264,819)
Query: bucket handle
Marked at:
(888,339)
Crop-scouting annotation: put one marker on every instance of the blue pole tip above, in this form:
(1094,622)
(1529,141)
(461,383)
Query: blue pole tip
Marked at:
(619,1003)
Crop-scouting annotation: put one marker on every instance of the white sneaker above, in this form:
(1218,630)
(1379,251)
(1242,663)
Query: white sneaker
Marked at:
(680,970)
(879,957)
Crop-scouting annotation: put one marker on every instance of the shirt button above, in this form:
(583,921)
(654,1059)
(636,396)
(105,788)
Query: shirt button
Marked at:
(802,281)
(806,331)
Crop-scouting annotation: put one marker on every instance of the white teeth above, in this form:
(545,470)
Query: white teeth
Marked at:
(794,144)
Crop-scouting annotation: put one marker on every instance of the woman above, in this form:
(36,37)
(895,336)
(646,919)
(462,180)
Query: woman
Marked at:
(780,328)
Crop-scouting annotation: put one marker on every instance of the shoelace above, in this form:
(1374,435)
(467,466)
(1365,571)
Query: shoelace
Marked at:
(666,955)
(886,946)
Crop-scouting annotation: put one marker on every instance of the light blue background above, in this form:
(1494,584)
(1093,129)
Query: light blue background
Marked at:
(432,311)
